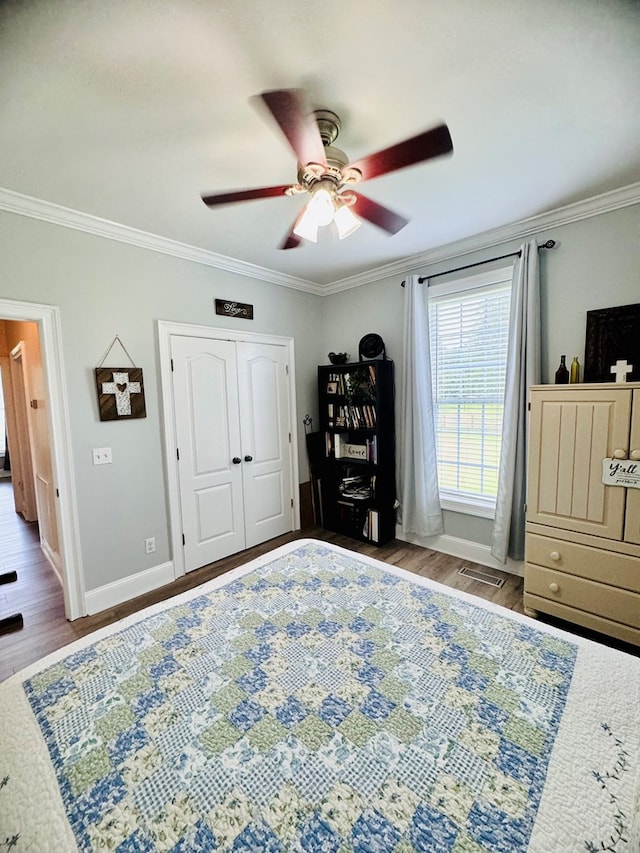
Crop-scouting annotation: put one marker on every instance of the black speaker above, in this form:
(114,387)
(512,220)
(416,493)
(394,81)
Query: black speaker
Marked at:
(371,347)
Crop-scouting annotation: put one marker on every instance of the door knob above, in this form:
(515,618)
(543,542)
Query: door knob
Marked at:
(554,587)
(248,458)
(619,454)
(555,555)
(236,460)
(635,455)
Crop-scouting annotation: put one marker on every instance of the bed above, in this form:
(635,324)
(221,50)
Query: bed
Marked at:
(316,699)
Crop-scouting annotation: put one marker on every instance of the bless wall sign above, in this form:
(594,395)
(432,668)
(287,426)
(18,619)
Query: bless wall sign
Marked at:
(234,309)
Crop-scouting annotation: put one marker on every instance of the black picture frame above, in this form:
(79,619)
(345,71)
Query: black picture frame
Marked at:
(612,334)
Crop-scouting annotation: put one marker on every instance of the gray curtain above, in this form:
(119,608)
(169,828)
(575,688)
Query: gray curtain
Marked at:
(523,370)
(420,510)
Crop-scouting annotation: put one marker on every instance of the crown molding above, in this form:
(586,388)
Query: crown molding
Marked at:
(47,211)
(534,225)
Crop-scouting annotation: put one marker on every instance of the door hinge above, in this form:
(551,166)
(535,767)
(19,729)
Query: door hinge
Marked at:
(178,452)
(525,507)
(291,503)
(528,407)
(57,493)
(286,369)
(289,438)
(172,365)
(183,542)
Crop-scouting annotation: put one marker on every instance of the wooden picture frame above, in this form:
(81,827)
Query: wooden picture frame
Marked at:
(120,393)
(612,334)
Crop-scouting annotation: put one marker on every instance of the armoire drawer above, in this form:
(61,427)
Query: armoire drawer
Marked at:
(583,594)
(596,564)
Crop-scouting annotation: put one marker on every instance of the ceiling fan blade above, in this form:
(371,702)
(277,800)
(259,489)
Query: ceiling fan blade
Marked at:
(378,215)
(289,109)
(424,146)
(290,241)
(244,195)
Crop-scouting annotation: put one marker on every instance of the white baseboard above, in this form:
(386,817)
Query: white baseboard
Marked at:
(463,548)
(125,589)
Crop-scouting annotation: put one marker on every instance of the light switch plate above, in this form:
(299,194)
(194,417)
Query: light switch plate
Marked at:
(102,456)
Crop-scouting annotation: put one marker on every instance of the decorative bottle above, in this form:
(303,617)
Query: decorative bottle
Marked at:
(575,371)
(562,374)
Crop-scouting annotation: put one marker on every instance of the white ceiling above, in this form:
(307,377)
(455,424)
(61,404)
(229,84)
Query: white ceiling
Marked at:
(129,109)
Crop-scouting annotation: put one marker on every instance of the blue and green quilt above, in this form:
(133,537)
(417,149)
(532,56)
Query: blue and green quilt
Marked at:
(317,701)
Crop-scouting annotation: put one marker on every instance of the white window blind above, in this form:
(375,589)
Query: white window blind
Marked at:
(469,330)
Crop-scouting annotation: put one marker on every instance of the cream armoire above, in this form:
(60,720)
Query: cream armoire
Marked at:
(582,560)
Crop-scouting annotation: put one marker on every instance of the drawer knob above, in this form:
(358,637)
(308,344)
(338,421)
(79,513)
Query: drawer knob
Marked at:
(619,453)
(555,555)
(635,454)
(554,587)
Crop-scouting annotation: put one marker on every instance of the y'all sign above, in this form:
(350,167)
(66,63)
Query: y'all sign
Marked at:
(621,472)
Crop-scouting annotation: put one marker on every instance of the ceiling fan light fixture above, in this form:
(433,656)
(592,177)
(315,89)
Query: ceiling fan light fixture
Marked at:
(320,211)
(346,221)
(306,227)
(321,207)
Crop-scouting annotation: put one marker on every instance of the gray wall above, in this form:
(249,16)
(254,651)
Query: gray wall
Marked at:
(106,288)
(595,264)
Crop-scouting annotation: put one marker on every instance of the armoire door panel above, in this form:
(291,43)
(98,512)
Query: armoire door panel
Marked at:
(208,435)
(569,439)
(632,517)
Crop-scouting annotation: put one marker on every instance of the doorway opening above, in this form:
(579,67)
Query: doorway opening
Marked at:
(39,434)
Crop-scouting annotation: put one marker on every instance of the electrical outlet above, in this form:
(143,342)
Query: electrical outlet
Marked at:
(102,456)
(150,545)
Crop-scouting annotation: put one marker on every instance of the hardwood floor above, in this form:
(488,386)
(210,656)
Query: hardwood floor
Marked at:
(37,593)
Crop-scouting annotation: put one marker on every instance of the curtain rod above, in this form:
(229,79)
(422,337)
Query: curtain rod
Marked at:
(548,245)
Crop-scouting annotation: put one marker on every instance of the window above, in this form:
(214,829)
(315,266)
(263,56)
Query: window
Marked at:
(469,329)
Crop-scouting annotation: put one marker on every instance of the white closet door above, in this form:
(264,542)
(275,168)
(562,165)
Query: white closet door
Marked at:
(208,434)
(266,457)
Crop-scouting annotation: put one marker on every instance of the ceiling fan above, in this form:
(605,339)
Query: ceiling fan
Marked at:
(324,172)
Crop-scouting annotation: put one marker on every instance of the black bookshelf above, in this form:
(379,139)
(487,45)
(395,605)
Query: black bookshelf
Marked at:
(356,474)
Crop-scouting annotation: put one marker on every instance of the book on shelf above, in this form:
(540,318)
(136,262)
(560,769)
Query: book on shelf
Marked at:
(329,444)
(373,525)
(358,383)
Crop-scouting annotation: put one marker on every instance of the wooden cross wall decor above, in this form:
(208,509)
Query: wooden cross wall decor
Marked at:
(120,393)
(120,389)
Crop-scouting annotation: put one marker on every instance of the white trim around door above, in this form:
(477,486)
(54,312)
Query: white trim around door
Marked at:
(48,319)
(165,330)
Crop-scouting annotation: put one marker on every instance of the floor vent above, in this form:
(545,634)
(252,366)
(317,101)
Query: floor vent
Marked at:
(483,577)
